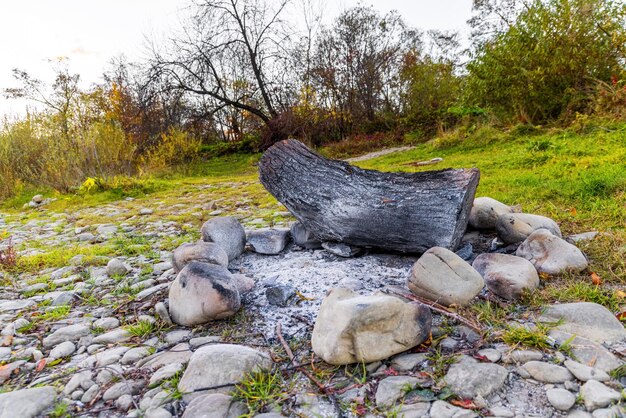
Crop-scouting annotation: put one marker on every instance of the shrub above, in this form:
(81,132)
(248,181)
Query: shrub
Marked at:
(174,148)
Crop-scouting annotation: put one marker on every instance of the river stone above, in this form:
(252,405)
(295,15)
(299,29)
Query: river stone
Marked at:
(115,336)
(546,372)
(486,211)
(587,351)
(561,399)
(304,238)
(126,387)
(268,241)
(215,405)
(26,403)
(441,409)
(164,373)
(392,388)
(351,328)
(243,283)
(442,276)
(201,293)
(516,227)
(506,275)
(68,333)
(584,372)
(221,364)
(63,349)
(226,232)
(598,395)
(107,323)
(116,267)
(551,254)
(204,252)
(342,250)
(587,320)
(469,378)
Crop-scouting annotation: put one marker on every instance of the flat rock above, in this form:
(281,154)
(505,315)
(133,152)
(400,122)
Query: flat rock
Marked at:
(587,352)
(408,362)
(127,387)
(215,405)
(351,328)
(164,373)
(68,333)
(180,353)
(547,372)
(107,323)
(516,227)
(221,364)
(587,320)
(469,379)
(342,250)
(393,388)
(583,372)
(112,337)
(61,350)
(506,275)
(442,276)
(304,238)
(280,295)
(268,241)
(116,267)
(15,305)
(598,395)
(551,254)
(561,399)
(201,293)
(486,211)
(522,356)
(204,252)
(226,232)
(441,409)
(135,354)
(26,403)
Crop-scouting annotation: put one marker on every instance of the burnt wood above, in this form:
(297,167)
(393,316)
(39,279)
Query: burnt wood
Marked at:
(337,202)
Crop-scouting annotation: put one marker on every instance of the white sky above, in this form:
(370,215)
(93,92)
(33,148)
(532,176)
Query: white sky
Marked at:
(91,32)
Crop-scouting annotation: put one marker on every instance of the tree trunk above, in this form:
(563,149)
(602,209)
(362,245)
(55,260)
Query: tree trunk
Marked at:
(337,202)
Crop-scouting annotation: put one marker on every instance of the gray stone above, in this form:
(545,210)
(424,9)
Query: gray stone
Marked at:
(180,353)
(201,293)
(127,387)
(61,350)
(597,395)
(135,354)
(304,238)
(37,198)
(561,399)
(341,249)
(414,410)
(486,211)
(268,241)
(200,341)
(469,379)
(215,406)
(177,335)
(587,320)
(392,388)
(551,254)
(85,237)
(351,328)
(107,231)
(164,373)
(124,402)
(161,310)
(585,236)
(506,275)
(221,364)
(116,267)
(26,403)
(442,276)
(90,394)
(490,354)
(546,372)
(64,298)
(408,362)
(441,409)
(77,381)
(522,356)
(15,305)
(204,252)
(516,227)
(616,411)
(226,232)
(68,333)
(158,413)
(243,283)
(145,211)
(280,295)
(107,323)
(113,337)
(584,372)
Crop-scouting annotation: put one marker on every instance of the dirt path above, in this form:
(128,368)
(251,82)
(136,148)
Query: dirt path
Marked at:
(377,154)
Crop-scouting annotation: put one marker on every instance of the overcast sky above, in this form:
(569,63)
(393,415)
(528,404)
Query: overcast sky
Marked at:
(90,32)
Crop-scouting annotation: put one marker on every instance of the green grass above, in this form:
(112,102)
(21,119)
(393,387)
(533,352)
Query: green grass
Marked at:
(55,314)
(260,389)
(521,336)
(141,329)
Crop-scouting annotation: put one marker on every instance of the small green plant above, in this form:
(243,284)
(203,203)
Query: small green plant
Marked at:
(141,329)
(26,328)
(619,372)
(440,362)
(60,410)
(535,337)
(490,314)
(171,385)
(55,314)
(260,389)
(358,372)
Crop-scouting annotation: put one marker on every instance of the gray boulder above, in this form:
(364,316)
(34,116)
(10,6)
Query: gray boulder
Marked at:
(268,241)
(221,365)
(486,211)
(226,232)
(26,403)
(204,252)
(506,275)
(551,254)
(442,276)
(201,293)
(351,328)
(469,378)
(516,227)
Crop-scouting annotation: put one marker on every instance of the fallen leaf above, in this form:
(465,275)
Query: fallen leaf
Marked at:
(360,410)
(595,279)
(544,276)
(464,403)
(621,316)
(9,370)
(620,294)
(573,211)
(390,372)
(41,364)
(7,340)
(481,358)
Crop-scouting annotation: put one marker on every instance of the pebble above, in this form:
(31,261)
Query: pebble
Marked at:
(90,394)
(61,350)
(122,388)
(585,373)
(546,372)
(164,373)
(68,333)
(112,337)
(116,267)
(392,388)
(107,323)
(598,395)
(561,399)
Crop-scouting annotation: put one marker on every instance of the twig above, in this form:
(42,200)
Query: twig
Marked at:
(436,307)
(279,335)
(429,162)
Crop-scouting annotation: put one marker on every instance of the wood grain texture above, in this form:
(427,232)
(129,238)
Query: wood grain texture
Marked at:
(337,202)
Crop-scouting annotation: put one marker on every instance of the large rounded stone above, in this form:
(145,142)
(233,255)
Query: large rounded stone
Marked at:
(220,365)
(26,403)
(201,293)
(351,328)
(226,232)
(205,252)
(486,211)
(516,227)
(442,276)
(506,275)
(587,320)
(551,254)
